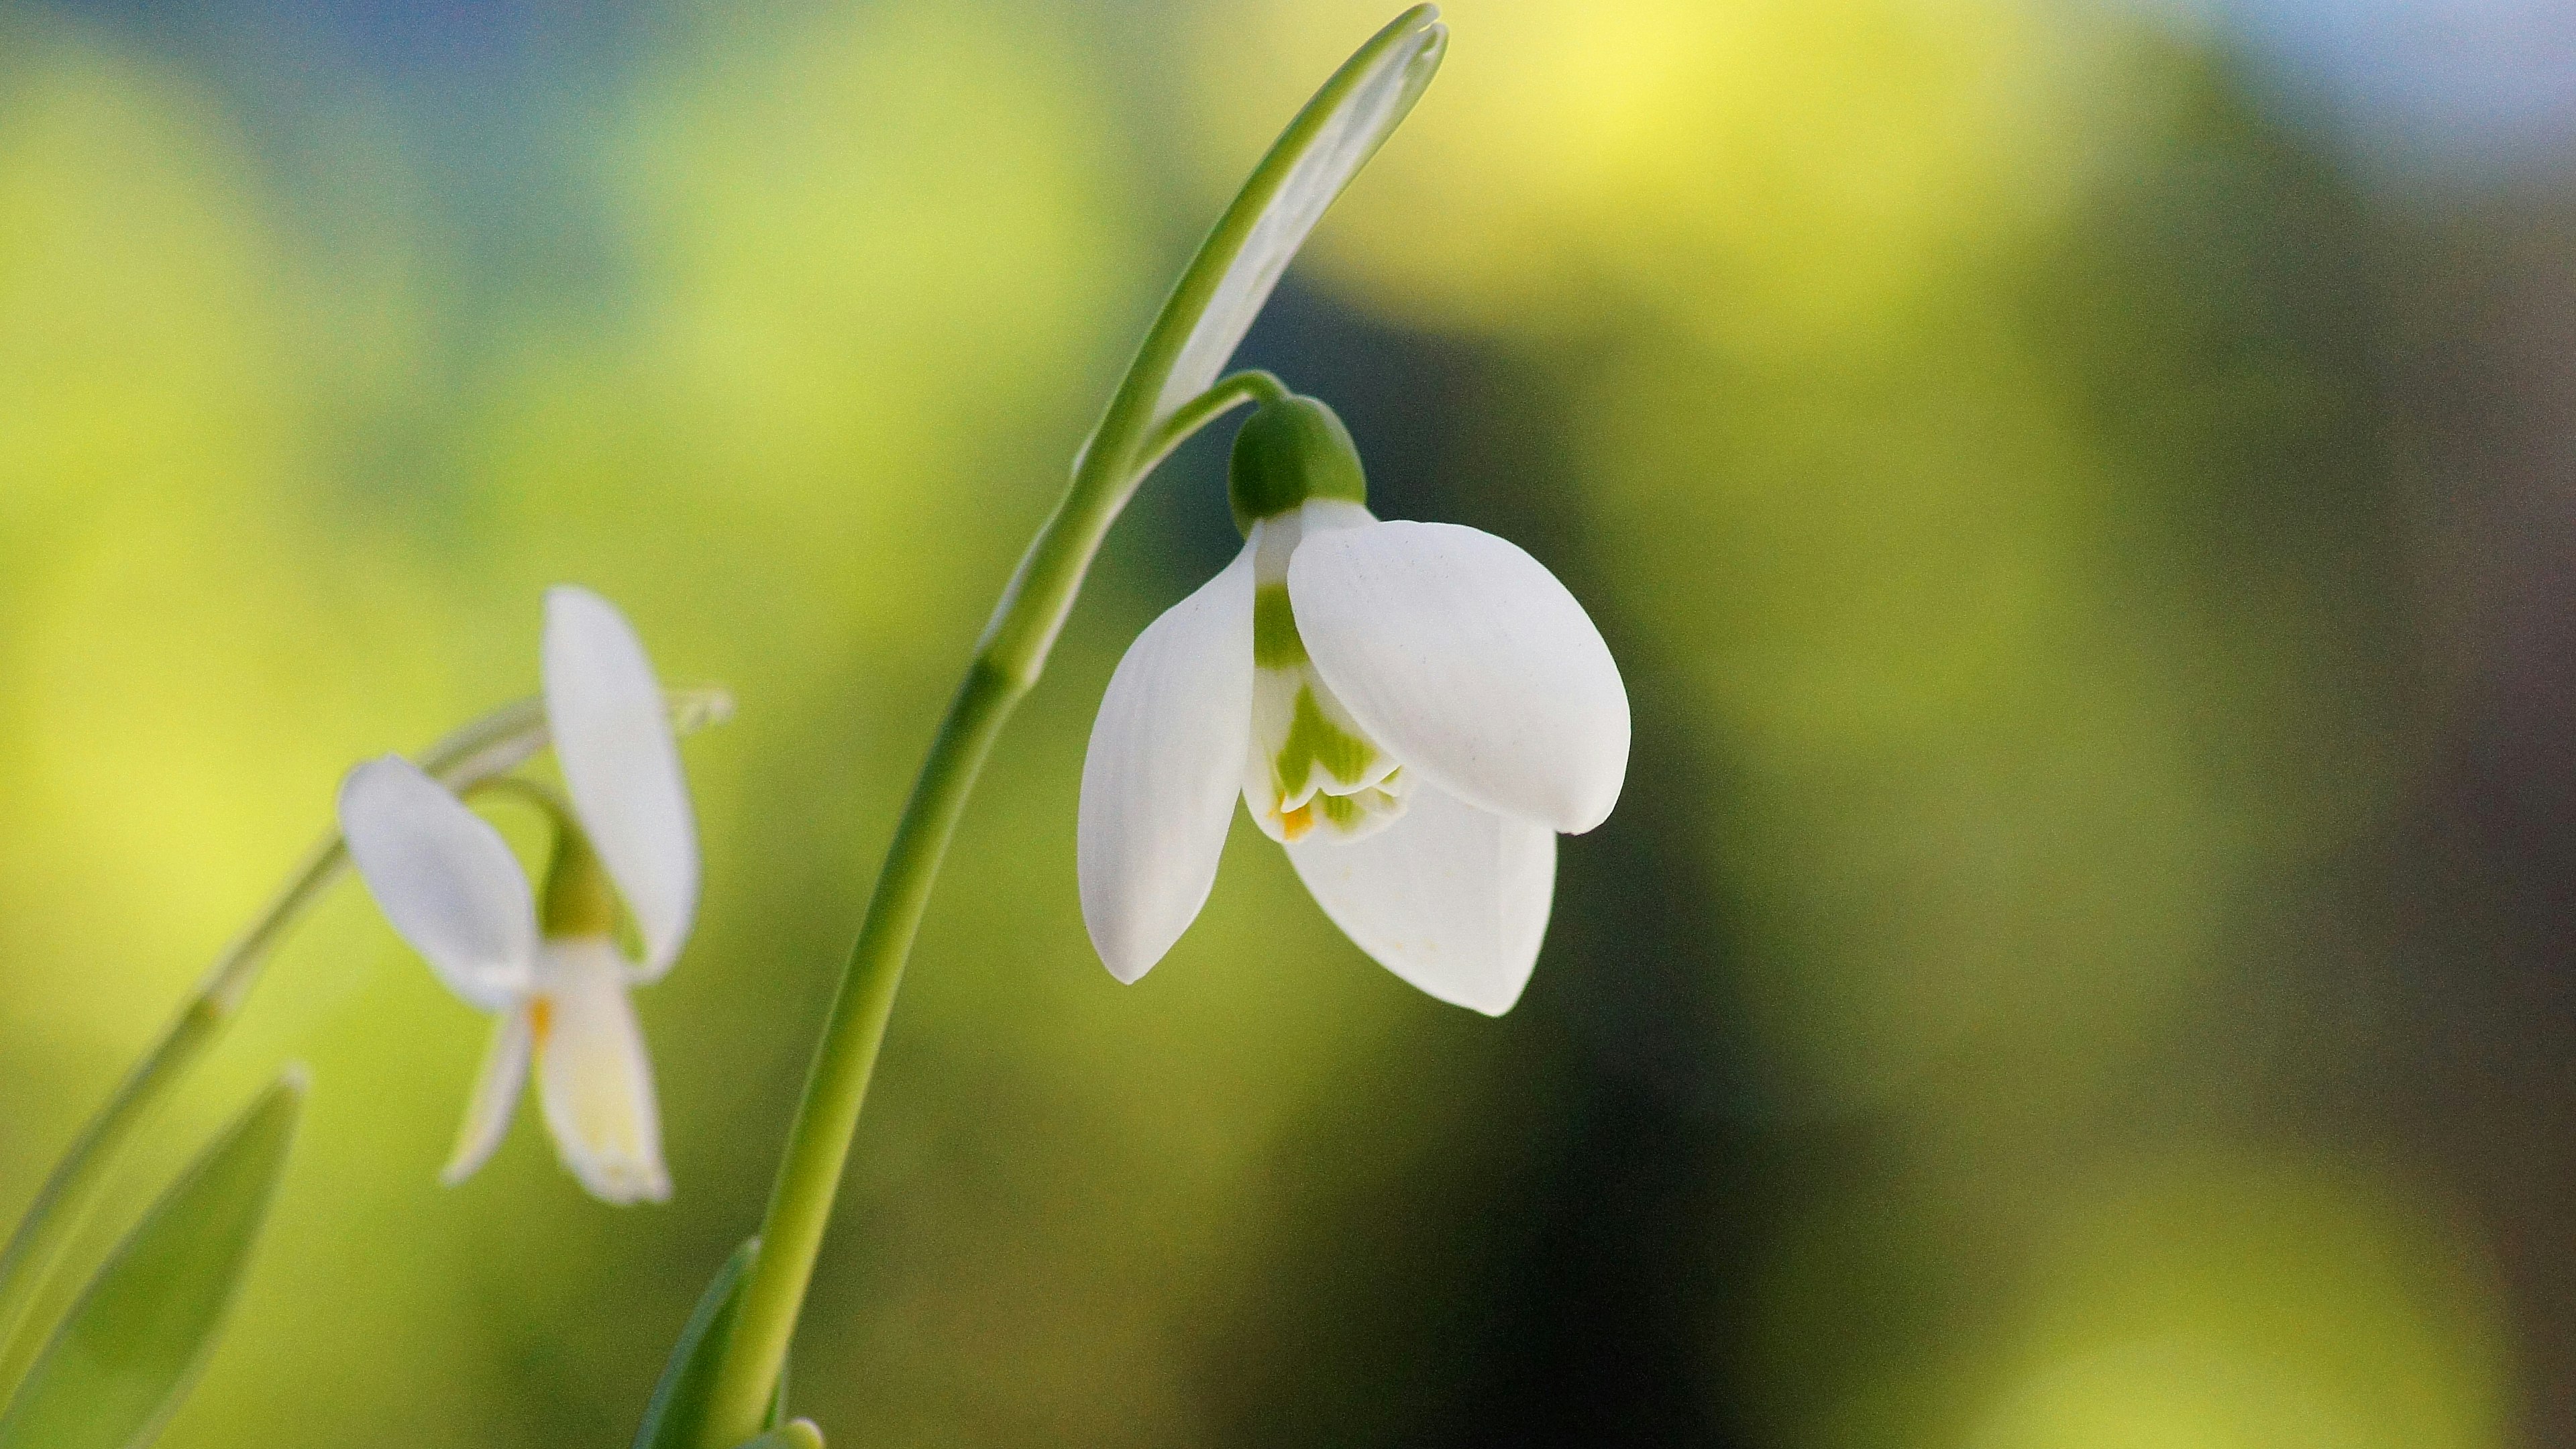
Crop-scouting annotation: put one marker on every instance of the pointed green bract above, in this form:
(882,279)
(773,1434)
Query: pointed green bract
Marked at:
(800,1435)
(1249,248)
(125,1355)
(676,1418)
(1172,386)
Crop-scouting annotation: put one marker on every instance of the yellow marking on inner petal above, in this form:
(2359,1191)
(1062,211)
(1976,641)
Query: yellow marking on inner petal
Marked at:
(1295,823)
(541,1019)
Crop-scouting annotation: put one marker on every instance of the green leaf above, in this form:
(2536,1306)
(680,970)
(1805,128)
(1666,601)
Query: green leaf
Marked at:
(33,1260)
(799,1435)
(126,1354)
(678,1412)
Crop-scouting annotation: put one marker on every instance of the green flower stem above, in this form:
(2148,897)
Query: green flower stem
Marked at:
(1201,321)
(1253,385)
(1006,666)
(478,753)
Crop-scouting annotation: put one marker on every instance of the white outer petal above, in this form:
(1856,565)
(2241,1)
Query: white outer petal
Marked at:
(1334,155)
(496,1097)
(613,738)
(1163,768)
(593,1077)
(444,878)
(1451,898)
(1466,659)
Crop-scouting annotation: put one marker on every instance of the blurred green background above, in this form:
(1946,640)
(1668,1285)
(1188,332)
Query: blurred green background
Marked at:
(2080,493)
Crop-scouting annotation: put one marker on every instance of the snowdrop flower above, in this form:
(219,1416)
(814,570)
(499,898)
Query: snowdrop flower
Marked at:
(1415,710)
(555,980)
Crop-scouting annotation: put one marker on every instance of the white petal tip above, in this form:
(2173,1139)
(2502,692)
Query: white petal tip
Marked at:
(1452,899)
(1128,946)
(368,776)
(1125,975)
(574,596)
(622,1183)
(1483,997)
(1588,821)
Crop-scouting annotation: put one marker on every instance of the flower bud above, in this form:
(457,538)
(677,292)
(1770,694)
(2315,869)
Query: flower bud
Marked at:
(1286,453)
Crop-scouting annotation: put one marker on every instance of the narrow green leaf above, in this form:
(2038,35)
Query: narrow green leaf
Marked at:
(799,1435)
(28,1265)
(678,1412)
(127,1352)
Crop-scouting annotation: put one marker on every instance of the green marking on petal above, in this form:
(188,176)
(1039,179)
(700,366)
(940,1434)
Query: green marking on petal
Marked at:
(1316,742)
(1340,811)
(1275,644)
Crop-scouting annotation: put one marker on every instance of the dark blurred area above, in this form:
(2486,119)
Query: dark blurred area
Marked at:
(2081,496)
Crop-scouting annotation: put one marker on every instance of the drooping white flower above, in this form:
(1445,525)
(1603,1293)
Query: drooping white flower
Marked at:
(1415,710)
(555,981)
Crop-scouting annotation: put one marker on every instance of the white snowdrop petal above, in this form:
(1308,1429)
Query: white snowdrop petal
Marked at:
(613,738)
(1162,770)
(1451,898)
(1376,99)
(496,1097)
(593,1077)
(444,878)
(1466,659)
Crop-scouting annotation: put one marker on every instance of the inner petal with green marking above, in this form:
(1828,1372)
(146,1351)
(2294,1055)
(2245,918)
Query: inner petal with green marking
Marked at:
(1311,767)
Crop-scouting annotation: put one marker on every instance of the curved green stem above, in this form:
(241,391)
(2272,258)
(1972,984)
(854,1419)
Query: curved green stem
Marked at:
(1170,390)
(478,753)
(1006,665)
(1251,385)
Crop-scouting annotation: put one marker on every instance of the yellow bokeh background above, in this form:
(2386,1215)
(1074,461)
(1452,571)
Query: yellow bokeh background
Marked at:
(1948,408)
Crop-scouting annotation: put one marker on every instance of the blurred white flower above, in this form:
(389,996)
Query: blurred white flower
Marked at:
(557,987)
(1414,710)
